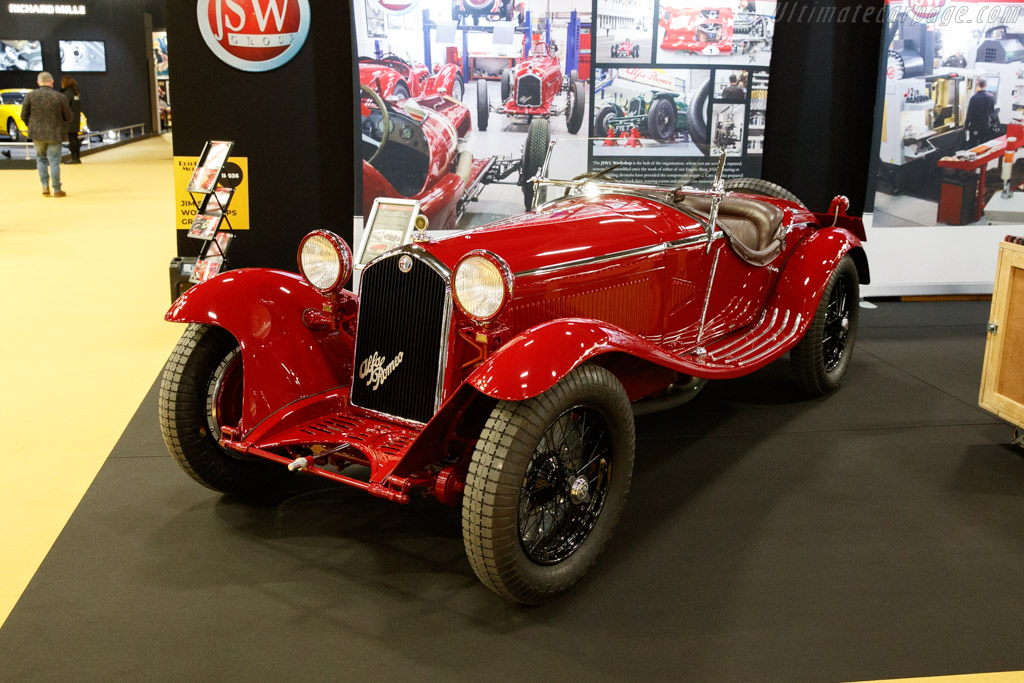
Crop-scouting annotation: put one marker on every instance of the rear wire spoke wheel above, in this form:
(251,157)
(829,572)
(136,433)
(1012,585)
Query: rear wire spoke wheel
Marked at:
(200,392)
(546,485)
(820,360)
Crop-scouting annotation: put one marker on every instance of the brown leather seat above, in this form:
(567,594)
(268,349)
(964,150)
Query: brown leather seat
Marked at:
(754,228)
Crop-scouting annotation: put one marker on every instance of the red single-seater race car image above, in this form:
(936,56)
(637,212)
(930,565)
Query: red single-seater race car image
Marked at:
(714,31)
(419,148)
(627,48)
(529,89)
(391,76)
(500,369)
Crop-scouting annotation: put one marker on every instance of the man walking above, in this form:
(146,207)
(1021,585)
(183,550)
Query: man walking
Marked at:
(46,113)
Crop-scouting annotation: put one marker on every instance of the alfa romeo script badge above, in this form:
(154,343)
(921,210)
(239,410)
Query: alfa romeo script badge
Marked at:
(405,263)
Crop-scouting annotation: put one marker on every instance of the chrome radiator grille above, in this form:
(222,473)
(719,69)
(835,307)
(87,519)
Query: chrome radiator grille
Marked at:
(528,92)
(400,338)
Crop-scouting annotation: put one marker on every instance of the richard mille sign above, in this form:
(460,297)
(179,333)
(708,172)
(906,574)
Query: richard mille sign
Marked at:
(44,8)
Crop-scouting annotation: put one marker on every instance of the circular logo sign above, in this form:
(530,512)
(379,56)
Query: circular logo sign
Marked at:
(254,35)
(397,6)
(231,176)
(925,10)
(405,263)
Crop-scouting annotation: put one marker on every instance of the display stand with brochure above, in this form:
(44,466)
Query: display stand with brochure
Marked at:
(208,227)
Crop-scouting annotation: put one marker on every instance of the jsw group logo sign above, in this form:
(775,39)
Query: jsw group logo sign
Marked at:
(254,35)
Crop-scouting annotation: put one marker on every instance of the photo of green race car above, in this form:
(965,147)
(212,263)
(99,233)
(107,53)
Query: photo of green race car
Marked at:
(657,114)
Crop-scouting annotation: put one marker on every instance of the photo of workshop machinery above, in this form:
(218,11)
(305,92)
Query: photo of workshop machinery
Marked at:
(624,31)
(656,109)
(716,32)
(457,112)
(949,119)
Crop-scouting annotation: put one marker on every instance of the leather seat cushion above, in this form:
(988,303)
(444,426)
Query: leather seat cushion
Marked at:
(754,228)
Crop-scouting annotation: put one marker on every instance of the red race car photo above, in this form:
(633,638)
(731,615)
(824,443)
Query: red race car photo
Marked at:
(418,148)
(392,76)
(529,89)
(714,31)
(500,369)
(627,48)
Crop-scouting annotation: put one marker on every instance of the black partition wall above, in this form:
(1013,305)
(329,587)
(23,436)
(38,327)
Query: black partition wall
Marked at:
(119,96)
(292,123)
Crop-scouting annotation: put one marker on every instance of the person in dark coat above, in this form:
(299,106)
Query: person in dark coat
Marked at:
(981,111)
(47,114)
(69,88)
(733,92)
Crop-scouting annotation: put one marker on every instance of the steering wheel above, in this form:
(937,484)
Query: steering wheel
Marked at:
(385,119)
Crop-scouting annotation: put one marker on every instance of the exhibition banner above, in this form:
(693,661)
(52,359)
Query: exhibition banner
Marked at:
(948,125)
(459,102)
(235,175)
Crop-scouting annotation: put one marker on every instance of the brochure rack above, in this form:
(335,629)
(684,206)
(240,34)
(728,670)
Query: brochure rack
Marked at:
(211,230)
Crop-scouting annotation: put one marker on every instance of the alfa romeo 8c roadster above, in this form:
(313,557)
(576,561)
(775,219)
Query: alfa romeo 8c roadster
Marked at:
(499,369)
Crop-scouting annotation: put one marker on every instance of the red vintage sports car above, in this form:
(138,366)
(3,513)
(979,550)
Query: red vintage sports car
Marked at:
(529,89)
(392,76)
(627,48)
(500,369)
(419,148)
(714,31)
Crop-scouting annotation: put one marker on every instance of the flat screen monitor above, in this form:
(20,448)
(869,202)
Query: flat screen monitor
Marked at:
(83,55)
(992,84)
(21,55)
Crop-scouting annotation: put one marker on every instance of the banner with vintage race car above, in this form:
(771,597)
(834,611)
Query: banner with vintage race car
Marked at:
(461,98)
(678,85)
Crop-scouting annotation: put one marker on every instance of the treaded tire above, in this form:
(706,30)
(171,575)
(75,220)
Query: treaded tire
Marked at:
(574,118)
(498,473)
(483,105)
(761,187)
(697,117)
(401,91)
(808,358)
(506,84)
(458,88)
(534,151)
(657,130)
(182,409)
(601,124)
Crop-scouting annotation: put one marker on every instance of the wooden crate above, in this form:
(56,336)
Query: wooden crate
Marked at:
(1002,377)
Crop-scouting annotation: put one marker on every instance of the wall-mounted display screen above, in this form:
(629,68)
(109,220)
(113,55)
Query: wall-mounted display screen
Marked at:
(83,55)
(21,55)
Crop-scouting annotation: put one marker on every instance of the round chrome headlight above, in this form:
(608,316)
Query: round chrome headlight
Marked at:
(325,260)
(483,284)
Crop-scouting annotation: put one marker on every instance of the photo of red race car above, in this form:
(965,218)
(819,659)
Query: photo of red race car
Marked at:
(714,31)
(418,148)
(500,369)
(627,48)
(530,87)
(392,76)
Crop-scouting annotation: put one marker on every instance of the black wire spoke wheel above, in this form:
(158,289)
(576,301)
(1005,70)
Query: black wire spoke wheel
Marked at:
(819,361)
(837,326)
(546,485)
(565,486)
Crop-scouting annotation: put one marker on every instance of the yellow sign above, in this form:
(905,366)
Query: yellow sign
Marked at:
(236,174)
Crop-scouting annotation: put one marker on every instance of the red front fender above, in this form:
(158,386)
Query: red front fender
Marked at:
(807,272)
(283,360)
(538,358)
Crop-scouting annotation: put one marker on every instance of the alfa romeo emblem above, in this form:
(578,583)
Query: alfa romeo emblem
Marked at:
(405,263)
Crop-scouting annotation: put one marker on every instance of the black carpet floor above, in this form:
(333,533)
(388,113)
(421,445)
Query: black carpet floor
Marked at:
(877,533)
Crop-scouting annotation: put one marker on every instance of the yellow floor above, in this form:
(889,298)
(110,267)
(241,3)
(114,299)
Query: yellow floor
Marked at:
(82,336)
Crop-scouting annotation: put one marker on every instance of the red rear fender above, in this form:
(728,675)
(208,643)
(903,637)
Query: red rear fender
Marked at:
(283,360)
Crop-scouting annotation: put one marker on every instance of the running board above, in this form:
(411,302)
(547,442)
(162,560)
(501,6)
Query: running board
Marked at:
(774,333)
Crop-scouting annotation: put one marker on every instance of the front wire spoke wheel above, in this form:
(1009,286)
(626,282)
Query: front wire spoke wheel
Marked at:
(546,485)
